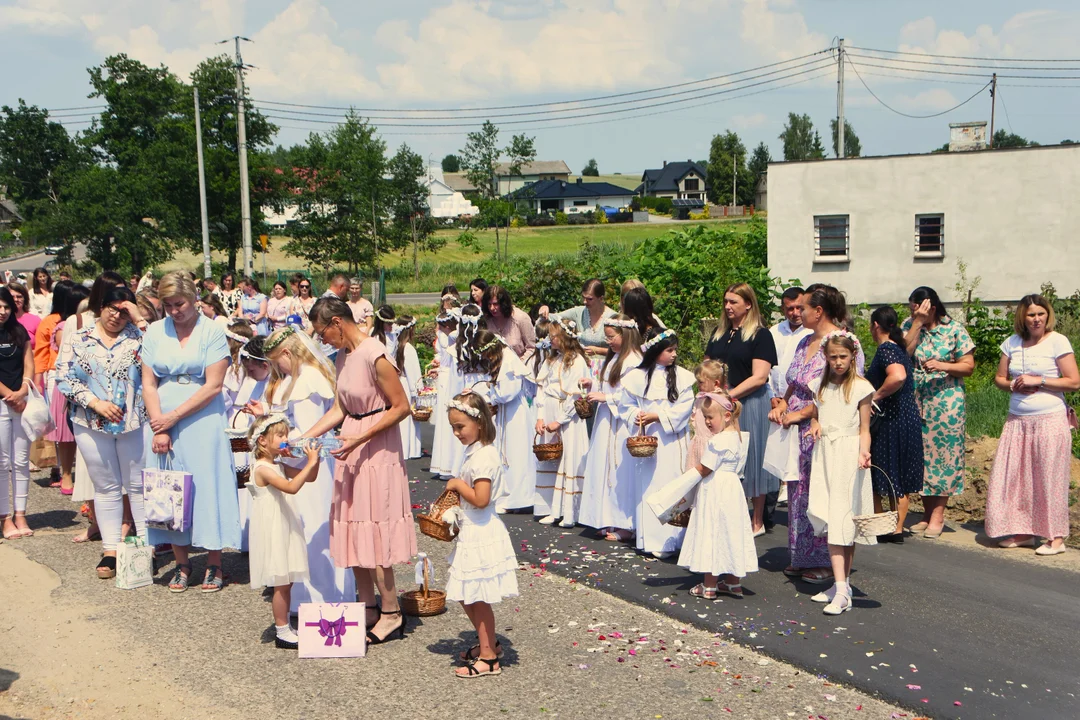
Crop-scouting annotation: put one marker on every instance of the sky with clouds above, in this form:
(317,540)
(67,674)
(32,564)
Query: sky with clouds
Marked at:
(454,54)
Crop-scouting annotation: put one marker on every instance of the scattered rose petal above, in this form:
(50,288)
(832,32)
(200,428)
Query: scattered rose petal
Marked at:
(914,687)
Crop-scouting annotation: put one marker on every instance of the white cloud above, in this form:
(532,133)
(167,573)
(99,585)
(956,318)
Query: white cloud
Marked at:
(778,35)
(36,17)
(745,122)
(1033,33)
(927,101)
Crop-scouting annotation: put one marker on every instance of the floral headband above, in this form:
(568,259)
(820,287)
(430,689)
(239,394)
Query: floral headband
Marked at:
(283,334)
(487,346)
(235,336)
(569,327)
(616,323)
(543,344)
(467,409)
(448,296)
(263,424)
(405,326)
(473,320)
(382,317)
(836,334)
(657,340)
(446,317)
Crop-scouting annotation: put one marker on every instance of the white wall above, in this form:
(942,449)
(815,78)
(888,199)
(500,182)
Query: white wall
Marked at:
(591,202)
(1011,215)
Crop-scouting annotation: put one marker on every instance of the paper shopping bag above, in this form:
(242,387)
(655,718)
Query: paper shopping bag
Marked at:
(781,457)
(168,497)
(43,453)
(678,495)
(331,630)
(134,564)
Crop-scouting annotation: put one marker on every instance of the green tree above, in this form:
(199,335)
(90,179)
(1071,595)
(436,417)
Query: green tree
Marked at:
(944,148)
(758,165)
(521,151)
(727,161)
(1003,139)
(451,163)
(284,158)
(852,146)
(480,156)
(801,141)
(411,222)
(590,169)
(343,197)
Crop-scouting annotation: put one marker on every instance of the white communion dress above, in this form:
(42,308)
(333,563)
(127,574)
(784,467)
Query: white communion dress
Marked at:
(278,554)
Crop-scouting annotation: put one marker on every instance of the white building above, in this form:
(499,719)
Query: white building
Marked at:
(534,172)
(572,197)
(878,227)
(443,200)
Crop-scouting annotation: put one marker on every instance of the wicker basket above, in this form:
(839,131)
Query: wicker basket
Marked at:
(546,452)
(680,519)
(421,414)
(424,602)
(584,408)
(432,524)
(243,474)
(238,438)
(883,523)
(641,445)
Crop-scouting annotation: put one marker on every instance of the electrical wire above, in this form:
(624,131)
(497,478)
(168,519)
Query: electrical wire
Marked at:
(551,104)
(961,57)
(997,93)
(960,74)
(968,65)
(907,115)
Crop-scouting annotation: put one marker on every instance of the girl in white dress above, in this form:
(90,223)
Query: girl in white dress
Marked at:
(720,540)
(658,395)
(445,340)
(468,368)
(840,485)
(304,388)
(558,418)
(408,364)
(483,567)
(278,555)
(505,392)
(256,374)
(606,503)
(238,333)
(538,364)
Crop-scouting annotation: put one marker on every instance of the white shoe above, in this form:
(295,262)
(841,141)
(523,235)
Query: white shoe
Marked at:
(760,532)
(826,596)
(1048,549)
(500,511)
(549,520)
(662,555)
(840,604)
(567,524)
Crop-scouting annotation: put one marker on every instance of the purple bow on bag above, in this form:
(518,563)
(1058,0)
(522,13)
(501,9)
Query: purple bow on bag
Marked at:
(332,630)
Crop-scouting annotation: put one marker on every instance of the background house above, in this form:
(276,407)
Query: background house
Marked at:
(571,197)
(534,172)
(878,227)
(443,200)
(676,180)
(9,213)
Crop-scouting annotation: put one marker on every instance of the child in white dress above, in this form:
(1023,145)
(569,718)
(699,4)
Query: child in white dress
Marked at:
(256,373)
(719,540)
(483,567)
(840,485)
(408,364)
(278,556)
(659,396)
(607,499)
(445,340)
(539,363)
(468,369)
(558,418)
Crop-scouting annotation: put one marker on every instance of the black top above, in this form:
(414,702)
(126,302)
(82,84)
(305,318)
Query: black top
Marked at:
(739,354)
(11,365)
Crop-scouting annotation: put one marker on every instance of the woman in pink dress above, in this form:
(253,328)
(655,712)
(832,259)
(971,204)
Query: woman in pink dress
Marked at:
(371,522)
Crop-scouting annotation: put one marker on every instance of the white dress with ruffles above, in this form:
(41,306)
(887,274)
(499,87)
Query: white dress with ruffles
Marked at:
(512,434)
(278,553)
(483,567)
(442,447)
(560,387)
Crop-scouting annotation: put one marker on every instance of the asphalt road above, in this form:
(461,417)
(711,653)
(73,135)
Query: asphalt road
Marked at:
(412,298)
(945,631)
(38,259)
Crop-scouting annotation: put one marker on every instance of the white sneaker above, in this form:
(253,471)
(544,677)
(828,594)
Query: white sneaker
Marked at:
(662,555)
(567,524)
(549,520)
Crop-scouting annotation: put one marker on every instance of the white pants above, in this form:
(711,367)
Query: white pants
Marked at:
(14,461)
(115,463)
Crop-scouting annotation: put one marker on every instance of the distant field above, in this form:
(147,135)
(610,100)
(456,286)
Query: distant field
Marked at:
(630,182)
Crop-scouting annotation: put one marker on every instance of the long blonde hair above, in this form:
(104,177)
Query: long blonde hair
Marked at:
(846,382)
(300,356)
(751,323)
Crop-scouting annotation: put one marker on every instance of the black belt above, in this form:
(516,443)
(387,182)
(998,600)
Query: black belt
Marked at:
(369,413)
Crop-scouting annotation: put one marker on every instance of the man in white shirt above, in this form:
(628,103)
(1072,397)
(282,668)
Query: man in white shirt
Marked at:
(786,336)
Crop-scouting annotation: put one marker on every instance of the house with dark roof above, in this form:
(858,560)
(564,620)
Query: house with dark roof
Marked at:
(534,172)
(675,180)
(9,213)
(571,197)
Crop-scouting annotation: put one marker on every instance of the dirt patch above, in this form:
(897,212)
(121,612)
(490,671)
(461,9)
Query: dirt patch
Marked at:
(970,506)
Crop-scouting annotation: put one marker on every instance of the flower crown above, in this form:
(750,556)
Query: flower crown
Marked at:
(616,323)
(569,327)
(492,343)
(473,320)
(405,326)
(650,344)
(283,334)
(467,409)
(835,334)
(245,353)
(235,336)
(448,296)
(263,424)
(382,317)
(446,317)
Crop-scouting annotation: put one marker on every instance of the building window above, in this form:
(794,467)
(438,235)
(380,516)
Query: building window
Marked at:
(691,185)
(581,203)
(930,235)
(831,237)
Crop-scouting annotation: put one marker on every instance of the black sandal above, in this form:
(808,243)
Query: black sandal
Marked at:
(107,567)
(472,673)
(374,639)
(474,652)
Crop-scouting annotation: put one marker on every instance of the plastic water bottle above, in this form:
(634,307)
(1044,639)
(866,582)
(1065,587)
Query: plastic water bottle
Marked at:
(295,448)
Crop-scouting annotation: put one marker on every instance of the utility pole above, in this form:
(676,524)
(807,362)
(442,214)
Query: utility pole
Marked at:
(993,106)
(241,131)
(734,179)
(840,99)
(202,188)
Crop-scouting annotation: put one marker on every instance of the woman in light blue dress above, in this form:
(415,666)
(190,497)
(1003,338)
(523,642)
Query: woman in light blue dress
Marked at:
(253,306)
(184,361)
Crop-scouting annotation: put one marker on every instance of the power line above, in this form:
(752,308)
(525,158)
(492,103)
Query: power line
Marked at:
(84,107)
(916,117)
(997,92)
(960,74)
(551,104)
(968,65)
(964,57)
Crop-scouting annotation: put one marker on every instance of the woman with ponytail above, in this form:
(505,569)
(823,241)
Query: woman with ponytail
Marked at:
(468,366)
(659,396)
(408,364)
(446,330)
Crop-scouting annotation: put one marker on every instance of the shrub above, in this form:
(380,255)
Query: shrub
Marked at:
(541,221)
(621,217)
(636,204)
(600,216)
(581,219)
(560,218)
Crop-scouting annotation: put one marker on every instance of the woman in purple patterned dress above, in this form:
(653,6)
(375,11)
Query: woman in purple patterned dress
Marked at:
(823,311)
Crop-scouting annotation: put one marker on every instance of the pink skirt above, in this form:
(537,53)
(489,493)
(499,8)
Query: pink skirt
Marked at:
(58,407)
(1029,482)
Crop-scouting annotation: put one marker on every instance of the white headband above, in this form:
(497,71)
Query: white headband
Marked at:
(406,326)
(470,320)
(652,343)
(233,336)
(448,296)
(840,334)
(569,327)
(266,421)
(615,322)
(467,409)
(384,319)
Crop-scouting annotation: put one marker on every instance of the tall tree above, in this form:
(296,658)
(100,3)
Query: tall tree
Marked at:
(801,141)
(727,162)
(758,166)
(1003,139)
(451,163)
(852,146)
(521,151)
(343,197)
(479,157)
(408,196)
(590,169)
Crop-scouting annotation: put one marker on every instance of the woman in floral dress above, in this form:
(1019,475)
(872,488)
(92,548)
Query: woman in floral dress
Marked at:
(943,357)
(823,309)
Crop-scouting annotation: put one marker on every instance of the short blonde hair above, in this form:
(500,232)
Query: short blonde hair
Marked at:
(1022,309)
(177,283)
(712,370)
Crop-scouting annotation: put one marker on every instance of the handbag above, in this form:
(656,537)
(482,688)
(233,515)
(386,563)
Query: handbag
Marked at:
(331,630)
(43,454)
(876,416)
(781,458)
(36,420)
(134,564)
(168,497)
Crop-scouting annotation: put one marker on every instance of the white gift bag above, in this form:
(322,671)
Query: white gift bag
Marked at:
(36,420)
(134,564)
(781,457)
(678,495)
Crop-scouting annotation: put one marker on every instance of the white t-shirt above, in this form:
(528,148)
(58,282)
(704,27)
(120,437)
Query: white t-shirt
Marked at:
(1040,360)
(786,339)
